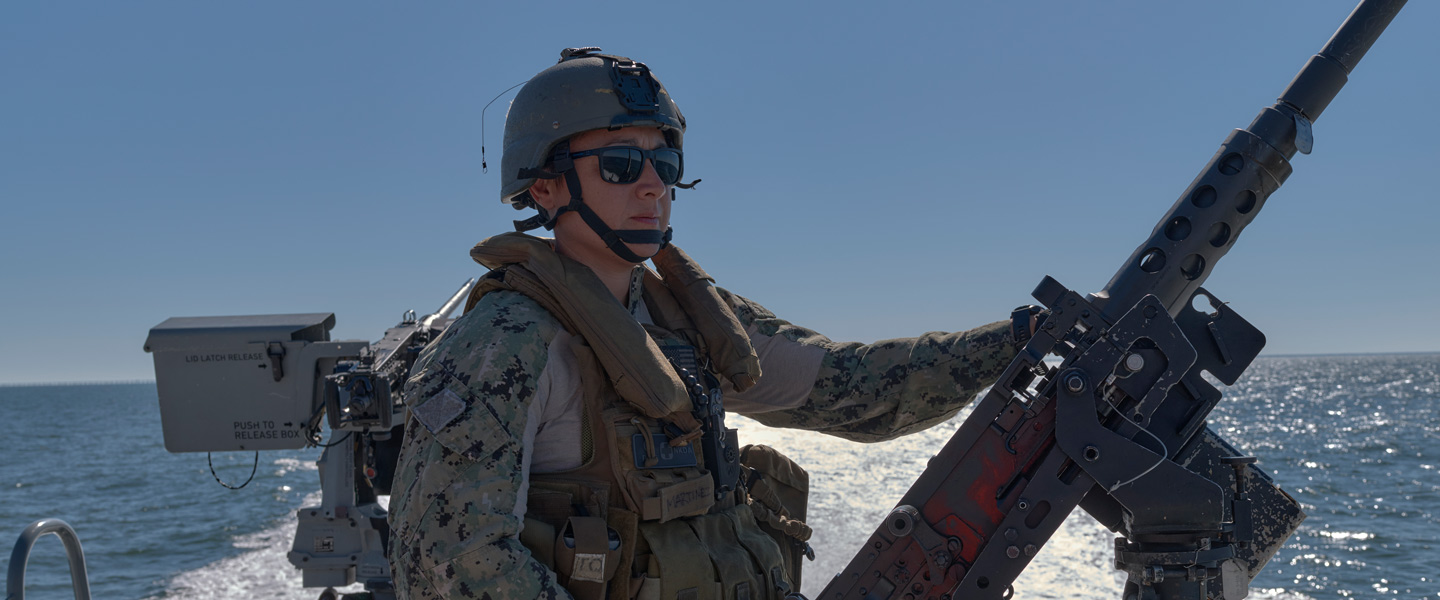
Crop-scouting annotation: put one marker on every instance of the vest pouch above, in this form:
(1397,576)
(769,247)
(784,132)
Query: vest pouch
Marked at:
(550,504)
(779,492)
(649,588)
(539,537)
(741,577)
(660,482)
(763,550)
(554,500)
(587,555)
(677,564)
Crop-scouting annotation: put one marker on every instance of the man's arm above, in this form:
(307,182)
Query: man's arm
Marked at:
(459,485)
(864,392)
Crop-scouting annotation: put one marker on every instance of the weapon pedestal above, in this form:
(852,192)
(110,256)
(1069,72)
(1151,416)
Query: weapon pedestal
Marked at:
(338,542)
(1192,566)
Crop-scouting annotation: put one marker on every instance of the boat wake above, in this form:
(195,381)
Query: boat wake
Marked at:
(260,570)
(852,487)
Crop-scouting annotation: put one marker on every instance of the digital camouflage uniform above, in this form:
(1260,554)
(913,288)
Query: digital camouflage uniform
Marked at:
(462,471)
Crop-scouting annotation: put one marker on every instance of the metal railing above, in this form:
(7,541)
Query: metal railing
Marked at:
(15,580)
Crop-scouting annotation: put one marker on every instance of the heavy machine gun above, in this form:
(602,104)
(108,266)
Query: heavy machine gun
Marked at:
(265,382)
(1104,409)
(1117,427)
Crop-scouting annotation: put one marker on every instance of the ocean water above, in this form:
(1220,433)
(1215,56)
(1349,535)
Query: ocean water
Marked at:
(153,524)
(1356,439)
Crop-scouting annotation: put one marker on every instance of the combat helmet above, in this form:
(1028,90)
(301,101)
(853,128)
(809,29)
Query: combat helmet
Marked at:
(584,91)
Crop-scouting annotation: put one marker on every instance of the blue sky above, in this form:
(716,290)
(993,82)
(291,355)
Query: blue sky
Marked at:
(869,172)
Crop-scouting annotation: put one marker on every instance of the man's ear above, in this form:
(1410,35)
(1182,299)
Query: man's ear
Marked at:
(549,194)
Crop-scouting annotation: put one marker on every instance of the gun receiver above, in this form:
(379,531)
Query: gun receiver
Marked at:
(365,393)
(1118,427)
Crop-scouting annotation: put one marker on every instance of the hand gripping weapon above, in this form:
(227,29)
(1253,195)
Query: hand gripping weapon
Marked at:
(1118,427)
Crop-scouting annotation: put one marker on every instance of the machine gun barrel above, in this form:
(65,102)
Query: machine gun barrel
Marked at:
(1252,163)
(450,305)
(403,335)
(1345,49)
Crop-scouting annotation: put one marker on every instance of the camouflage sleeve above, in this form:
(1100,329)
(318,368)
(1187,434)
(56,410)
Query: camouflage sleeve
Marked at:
(865,392)
(462,468)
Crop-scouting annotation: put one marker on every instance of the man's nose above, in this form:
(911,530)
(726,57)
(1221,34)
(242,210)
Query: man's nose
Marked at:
(649,182)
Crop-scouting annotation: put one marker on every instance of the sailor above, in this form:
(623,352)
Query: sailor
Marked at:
(566,435)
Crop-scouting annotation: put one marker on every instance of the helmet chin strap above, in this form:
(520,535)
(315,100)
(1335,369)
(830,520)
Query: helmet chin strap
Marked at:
(614,240)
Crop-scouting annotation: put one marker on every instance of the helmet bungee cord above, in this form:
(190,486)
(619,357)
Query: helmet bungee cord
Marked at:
(584,91)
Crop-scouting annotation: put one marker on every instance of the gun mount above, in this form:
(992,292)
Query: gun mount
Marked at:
(1118,426)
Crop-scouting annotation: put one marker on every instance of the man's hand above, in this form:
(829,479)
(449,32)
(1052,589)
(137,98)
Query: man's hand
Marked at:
(1025,321)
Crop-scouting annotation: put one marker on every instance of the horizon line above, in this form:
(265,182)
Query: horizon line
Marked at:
(18,384)
(4,384)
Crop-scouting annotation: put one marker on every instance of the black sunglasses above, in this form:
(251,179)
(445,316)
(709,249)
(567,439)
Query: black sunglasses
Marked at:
(624,164)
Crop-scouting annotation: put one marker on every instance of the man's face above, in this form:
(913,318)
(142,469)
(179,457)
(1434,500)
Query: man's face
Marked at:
(643,204)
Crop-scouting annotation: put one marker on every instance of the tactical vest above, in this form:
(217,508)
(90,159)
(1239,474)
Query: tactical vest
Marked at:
(641,517)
